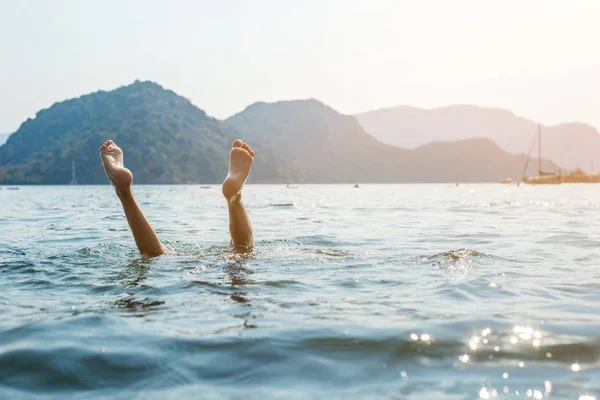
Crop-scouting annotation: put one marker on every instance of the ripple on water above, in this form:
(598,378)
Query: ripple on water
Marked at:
(399,299)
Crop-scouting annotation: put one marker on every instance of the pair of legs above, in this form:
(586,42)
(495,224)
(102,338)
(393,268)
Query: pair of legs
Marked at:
(240,163)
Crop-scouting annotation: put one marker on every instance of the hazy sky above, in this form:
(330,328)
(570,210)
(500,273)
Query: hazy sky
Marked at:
(538,58)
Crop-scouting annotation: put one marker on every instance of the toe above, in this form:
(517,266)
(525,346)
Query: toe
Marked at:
(237,143)
(248,149)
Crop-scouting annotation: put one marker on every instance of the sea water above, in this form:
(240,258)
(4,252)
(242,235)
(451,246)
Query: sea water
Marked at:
(383,291)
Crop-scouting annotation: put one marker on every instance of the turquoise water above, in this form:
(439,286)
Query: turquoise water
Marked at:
(386,291)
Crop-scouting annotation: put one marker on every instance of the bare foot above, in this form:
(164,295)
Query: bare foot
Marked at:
(240,162)
(112,159)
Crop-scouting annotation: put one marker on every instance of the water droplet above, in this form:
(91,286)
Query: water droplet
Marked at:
(403,374)
(576,367)
(414,336)
(521,364)
(505,375)
(496,348)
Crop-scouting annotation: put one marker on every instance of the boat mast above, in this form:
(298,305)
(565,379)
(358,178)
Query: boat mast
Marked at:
(73,180)
(540,149)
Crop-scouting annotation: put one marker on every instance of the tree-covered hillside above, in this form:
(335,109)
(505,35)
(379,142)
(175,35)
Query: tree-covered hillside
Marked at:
(307,141)
(166,139)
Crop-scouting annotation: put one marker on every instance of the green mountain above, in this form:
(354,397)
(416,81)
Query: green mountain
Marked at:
(166,139)
(307,141)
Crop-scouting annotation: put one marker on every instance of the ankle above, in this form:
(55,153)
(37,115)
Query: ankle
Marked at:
(123,193)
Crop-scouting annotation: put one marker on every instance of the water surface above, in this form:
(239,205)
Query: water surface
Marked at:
(386,291)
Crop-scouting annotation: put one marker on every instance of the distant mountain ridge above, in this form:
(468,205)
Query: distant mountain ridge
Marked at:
(166,139)
(307,141)
(3,138)
(570,145)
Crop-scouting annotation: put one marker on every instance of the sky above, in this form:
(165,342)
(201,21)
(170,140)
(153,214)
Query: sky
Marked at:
(537,58)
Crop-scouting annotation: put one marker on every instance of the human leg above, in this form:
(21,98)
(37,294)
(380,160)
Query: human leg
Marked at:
(240,228)
(121,178)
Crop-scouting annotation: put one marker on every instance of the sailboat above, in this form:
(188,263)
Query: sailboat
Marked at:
(557,176)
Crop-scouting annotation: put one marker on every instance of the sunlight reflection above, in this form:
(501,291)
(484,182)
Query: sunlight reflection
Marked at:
(536,394)
(473,342)
(425,337)
(484,394)
(526,333)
